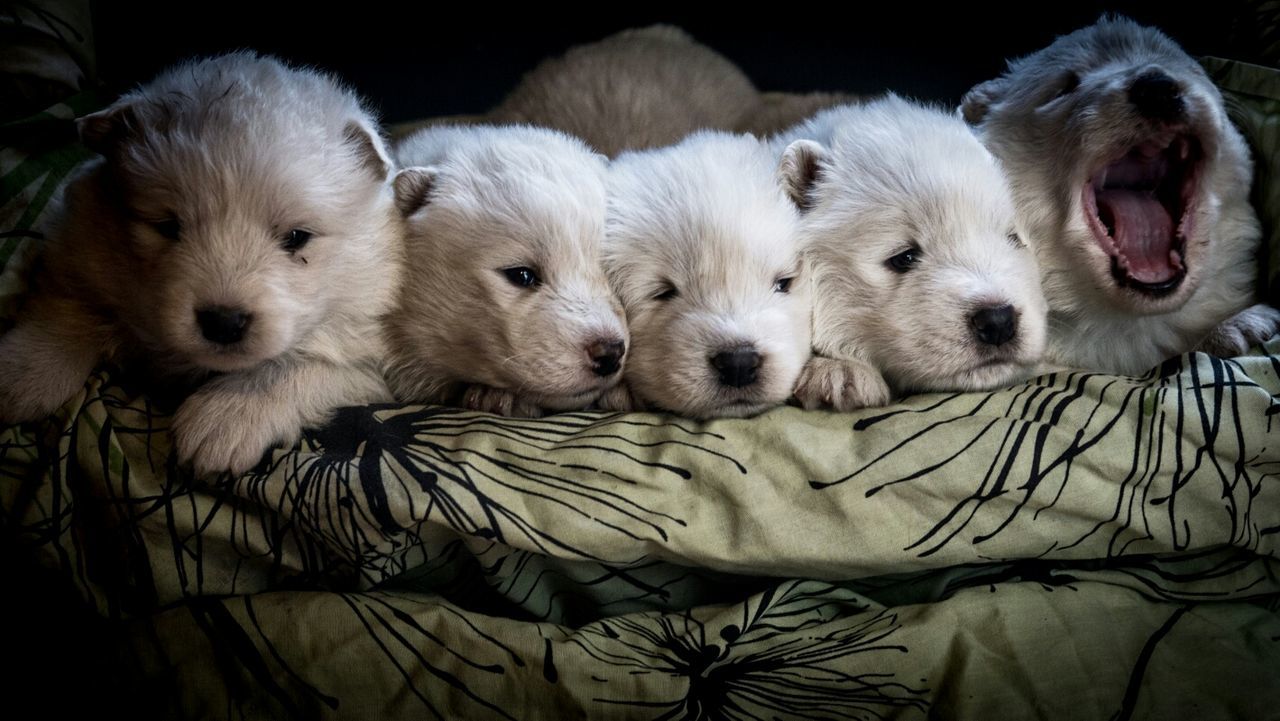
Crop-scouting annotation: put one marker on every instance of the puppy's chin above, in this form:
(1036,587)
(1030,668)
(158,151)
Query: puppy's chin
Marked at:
(574,400)
(254,351)
(717,402)
(986,376)
(226,360)
(1134,224)
(740,409)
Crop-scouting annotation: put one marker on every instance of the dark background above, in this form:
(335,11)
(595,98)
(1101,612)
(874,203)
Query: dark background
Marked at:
(418,61)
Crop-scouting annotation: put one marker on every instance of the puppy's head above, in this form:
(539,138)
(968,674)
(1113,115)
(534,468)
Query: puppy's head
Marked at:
(1121,157)
(507,287)
(256,207)
(703,248)
(919,256)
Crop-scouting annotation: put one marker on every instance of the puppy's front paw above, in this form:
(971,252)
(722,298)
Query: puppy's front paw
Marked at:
(619,398)
(1235,335)
(218,431)
(500,401)
(841,385)
(34,382)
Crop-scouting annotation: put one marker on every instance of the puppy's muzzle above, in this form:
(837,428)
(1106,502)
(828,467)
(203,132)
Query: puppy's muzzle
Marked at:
(606,357)
(994,325)
(737,367)
(1157,96)
(222,325)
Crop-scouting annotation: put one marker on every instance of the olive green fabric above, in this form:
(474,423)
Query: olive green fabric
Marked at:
(1078,546)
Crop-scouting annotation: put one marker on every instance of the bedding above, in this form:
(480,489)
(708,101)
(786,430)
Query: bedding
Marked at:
(1078,546)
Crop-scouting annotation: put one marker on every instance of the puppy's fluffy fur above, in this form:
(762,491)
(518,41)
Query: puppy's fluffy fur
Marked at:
(1133,186)
(641,88)
(703,248)
(648,88)
(207,173)
(483,203)
(911,229)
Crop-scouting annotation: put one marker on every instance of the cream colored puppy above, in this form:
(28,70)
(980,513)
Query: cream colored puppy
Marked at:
(643,88)
(922,278)
(506,308)
(703,247)
(1134,189)
(239,230)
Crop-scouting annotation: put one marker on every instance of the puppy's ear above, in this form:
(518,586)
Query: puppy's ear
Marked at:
(413,188)
(798,171)
(369,148)
(980,98)
(102,131)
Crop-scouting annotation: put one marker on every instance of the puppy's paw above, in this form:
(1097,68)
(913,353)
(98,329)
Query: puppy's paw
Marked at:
(215,430)
(840,385)
(33,386)
(620,398)
(27,399)
(500,401)
(1235,335)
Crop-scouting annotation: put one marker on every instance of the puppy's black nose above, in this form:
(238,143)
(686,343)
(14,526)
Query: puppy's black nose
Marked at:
(737,367)
(223,325)
(1157,96)
(606,356)
(994,325)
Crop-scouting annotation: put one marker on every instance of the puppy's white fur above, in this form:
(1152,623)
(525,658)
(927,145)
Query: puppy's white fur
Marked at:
(1056,119)
(482,201)
(226,157)
(887,177)
(699,236)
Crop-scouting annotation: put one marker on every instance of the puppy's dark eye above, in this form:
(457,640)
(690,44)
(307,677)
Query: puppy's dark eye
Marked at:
(1016,240)
(295,239)
(668,292)
(168,228)
(522,277)
(904,261)
(782,285)
(1069,84)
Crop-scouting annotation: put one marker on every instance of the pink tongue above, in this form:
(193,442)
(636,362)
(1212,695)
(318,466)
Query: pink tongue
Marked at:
(1143,234)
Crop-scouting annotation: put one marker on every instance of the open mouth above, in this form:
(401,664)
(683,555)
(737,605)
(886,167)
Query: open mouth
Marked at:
(1138,209)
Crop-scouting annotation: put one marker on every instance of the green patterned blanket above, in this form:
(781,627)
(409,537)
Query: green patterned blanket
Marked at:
(1080,546)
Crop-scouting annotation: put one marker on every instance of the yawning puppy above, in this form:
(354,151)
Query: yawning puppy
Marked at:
(922,278)
(1133,186)
(703,248)
(240,230)
(506,307)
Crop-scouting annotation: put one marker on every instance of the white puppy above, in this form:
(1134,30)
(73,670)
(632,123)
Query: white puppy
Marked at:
(1133,186)
(506,308)
(922,279)
(240,228)
(703,247)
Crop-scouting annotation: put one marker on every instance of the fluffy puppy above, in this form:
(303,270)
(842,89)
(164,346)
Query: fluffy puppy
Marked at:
(703,248)
(506,308)
(642,88)
(922,278)
(239,230)
(1133,186)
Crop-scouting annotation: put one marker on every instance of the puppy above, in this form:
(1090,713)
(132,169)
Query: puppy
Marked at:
(1133,186)
(642,88)
(703,248)
(506,308)
(239,230)
(922,278)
